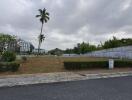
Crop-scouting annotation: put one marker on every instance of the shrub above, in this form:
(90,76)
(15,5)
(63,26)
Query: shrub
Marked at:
(96,64)
(24,59)
(9,66)
(85,65)
(14,66)
(0,58)
(123,63)
(8,56)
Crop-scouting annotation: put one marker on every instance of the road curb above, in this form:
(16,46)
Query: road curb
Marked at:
(30,79)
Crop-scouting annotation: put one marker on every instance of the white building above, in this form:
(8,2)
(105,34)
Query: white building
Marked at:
(42,51)
(25,46)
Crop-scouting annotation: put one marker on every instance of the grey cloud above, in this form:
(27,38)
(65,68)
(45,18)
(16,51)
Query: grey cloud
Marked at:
(76,20)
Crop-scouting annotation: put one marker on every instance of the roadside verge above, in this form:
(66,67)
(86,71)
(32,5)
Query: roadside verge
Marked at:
(28,79)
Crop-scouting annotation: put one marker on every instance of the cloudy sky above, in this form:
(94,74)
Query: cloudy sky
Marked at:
(71,21)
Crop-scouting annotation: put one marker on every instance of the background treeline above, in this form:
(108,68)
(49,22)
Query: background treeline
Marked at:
(82,48)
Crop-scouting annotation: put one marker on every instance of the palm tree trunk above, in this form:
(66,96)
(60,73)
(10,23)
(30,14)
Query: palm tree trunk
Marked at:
(40,40)
(39,47)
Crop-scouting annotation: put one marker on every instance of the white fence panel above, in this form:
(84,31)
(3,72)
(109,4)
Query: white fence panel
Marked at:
(120,52)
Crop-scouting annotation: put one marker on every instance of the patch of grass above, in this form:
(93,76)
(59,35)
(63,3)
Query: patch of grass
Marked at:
(84,59)
(46,64)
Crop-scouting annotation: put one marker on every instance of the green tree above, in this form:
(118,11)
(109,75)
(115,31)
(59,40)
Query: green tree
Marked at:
(112,43)
(5,39)
(83,48)
(44,17)
(56,51)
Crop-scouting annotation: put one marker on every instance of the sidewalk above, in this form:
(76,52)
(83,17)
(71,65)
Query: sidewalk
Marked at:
(27,79)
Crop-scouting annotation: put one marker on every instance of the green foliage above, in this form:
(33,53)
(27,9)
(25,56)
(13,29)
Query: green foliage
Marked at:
(112,43)
(70,51)
(9,66)
(82,48)
(56,52)
(123,63)
(8,56)
(86,47)
(95,64)
(24,59)
(85,65)
(44,17)
(41,37)
(4,40)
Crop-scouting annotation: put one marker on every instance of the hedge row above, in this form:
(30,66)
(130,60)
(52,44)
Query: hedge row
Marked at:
(123,63)
(95,64)
(9,66)
(8,56)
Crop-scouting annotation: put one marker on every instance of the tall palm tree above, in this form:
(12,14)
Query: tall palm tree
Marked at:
(41,38)
(44,17)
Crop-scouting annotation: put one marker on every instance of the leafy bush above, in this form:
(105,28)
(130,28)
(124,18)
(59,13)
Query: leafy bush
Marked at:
(96,64)
(9,66)
(8,56)
(0,58)
(123,63)
(85,65)
(24,59)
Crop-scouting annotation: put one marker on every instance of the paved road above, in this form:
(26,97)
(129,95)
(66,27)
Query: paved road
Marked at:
(97,89)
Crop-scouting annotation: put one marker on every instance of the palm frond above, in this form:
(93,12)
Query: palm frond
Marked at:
(41,20)
(38,15)
(40,10)
(47,13)
(45,20)
(41,37)
(47,17)
(44,15)
(44,10)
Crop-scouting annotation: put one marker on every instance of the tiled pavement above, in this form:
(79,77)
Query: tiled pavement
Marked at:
(27,79)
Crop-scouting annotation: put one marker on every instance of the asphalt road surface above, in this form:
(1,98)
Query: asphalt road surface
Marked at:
(96,89)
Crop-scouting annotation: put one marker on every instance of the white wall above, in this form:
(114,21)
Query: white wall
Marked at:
(120,52)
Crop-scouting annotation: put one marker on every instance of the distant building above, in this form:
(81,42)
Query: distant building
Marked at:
(41,51)
(25,47)
(18,46)
(9,46)
(12,46)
